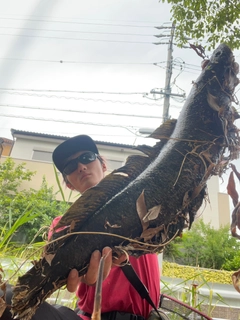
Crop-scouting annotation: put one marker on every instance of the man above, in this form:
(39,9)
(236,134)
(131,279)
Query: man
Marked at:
(82,167)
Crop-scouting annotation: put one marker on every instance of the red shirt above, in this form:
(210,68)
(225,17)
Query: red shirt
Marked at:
(117,292)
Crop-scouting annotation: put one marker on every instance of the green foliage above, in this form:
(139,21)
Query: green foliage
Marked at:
(25,213)
(11,177)
(214,21)
(41,205)
(233,264)
(173,251)
(206,247)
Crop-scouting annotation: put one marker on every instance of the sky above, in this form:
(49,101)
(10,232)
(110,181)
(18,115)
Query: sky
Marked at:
(70,66)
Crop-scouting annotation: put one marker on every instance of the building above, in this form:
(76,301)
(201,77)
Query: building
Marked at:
(35,149)
(5,146)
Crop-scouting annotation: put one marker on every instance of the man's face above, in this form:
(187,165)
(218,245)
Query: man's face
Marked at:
(86,175)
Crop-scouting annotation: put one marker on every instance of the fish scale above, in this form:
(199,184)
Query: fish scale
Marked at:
(145,204)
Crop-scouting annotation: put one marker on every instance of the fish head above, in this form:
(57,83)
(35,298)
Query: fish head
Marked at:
(222,64)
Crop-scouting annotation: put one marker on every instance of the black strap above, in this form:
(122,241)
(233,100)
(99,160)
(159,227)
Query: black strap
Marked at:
(138,285)
(114,315)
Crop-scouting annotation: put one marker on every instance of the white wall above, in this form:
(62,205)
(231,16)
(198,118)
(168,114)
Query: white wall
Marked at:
(216,205)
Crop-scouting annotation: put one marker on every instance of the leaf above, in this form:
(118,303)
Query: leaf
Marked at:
(3,306)
(218,18)
(148,234)
(152,213)
(231,189)
(142,210)
(58,183)
(235,171)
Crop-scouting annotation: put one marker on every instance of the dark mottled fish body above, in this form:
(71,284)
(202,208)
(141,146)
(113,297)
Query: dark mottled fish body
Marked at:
(153,197)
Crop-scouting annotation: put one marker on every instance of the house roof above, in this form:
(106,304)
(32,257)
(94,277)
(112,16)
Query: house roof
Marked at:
(5,140)
(57,137)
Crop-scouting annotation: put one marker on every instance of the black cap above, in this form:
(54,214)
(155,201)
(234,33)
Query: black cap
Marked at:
(70,147)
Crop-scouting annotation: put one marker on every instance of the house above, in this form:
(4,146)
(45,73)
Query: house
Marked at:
(5,146)
(35,149)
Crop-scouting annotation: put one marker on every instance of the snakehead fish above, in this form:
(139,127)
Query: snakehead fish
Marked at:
(143,205)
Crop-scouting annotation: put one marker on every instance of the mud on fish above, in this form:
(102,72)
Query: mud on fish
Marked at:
(143,205)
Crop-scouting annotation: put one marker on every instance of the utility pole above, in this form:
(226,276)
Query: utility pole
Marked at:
(167,91)
(166,103)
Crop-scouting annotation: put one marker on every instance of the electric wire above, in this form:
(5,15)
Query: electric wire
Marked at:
(197,68)
(78,39)
(81,111)
(80,62)
(76,22)
(26,92)
(131,129)
(78,31)
(87,19)
(84,62)
(73,133)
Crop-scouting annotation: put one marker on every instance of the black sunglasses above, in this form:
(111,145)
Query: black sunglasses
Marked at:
(84,158)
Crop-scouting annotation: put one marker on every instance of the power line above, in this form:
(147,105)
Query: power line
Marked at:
(184,65)
(26,92)
(129,128)
(186,68)
(83,62)
(193,65)
(81,111)
(87,19)
(78,39)
(77,132)
(77,31)
(81,23)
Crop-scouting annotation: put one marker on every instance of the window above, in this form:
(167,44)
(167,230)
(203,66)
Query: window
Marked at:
(42,155)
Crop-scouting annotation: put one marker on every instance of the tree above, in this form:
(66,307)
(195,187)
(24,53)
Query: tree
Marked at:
(39,206)
(207,247)
(209,20)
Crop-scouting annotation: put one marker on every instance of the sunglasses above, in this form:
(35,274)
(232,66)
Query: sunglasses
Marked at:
(84,158)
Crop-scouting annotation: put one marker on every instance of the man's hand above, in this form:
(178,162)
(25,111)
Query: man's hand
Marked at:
(90,277)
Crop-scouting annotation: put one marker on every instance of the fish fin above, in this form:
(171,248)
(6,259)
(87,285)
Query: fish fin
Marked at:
(135,164)
(163,134)
(164,131)
(97,196)
(151,152)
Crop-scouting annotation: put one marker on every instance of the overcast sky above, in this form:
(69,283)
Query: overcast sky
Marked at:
(56,55)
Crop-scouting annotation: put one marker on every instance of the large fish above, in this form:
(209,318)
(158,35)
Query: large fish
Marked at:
(146,203)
